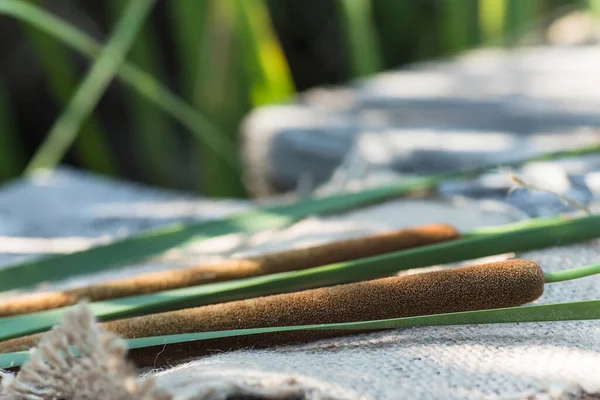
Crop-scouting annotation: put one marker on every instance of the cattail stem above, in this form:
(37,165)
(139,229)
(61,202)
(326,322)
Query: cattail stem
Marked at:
(522,236)
(232,269)
(476,287)
(573,273)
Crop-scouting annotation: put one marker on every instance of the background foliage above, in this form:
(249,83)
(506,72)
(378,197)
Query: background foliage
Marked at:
(224,57)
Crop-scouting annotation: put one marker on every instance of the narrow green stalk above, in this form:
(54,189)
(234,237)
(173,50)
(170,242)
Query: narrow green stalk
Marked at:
(91,146)
(144,83)
(361,36)
(12,160)
(267,72)
(157,241)
(539,233)
(594,7)
(155,144)
(189,20)
(573,273)
(219,93)
(65,130)
(459,21)
(519,15)
(574,311)
(492,15)
(402,34)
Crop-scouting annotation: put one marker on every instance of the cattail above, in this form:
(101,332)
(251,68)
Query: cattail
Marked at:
(290,260)
(477,287)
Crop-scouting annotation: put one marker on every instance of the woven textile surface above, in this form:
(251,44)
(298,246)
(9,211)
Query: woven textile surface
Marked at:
(541,360)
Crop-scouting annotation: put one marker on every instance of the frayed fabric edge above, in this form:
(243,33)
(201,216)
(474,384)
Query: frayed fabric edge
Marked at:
(79,359)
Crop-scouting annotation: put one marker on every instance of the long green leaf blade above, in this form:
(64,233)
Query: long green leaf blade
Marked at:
(263,59)
(492,14)
(157,241)
(575,311)
(87,96)
(61,78)
(152,130)
(134,248)
(12,161)
(517,237)
(219,93)
(189,19)
(459,27)
(361,36)
(144,83)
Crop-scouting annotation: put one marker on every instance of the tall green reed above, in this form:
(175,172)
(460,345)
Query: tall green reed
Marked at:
(12,158)
(254,71)
(361,36)
(155,143)
(91,146)
(66,128)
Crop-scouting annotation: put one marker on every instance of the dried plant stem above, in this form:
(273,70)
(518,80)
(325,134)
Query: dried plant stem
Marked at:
(521,183)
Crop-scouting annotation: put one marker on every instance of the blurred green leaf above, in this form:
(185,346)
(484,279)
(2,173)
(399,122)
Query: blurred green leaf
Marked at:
(594,6)
(361,36)
(492,14)
(66,128)
(209,65)
(142,82)
(519,16)
(459,20)
(152,132)
(12,159)
(91,147)
(189,20)
(221,92)
(401,31)
(266,67)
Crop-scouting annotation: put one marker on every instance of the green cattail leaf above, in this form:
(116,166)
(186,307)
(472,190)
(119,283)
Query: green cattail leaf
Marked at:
(153,133)
(263,59)
(220,92)
(459,25)
(12,161)
(594,7)
(361,36)
(145,84)
(87,96)
(207,61)
(492,14)
(157,241)
(189,19)
(519,15)
(574,311)
(61,78)
(535,234)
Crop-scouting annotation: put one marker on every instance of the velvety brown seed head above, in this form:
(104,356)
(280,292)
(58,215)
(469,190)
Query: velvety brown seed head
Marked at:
(493,285)
(291,260)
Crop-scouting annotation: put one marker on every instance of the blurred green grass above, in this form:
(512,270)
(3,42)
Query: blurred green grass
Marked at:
(225,57)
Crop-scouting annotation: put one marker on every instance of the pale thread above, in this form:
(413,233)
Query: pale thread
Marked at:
(521,183)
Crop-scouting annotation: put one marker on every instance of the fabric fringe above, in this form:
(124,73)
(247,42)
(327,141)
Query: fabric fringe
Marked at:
(78,360)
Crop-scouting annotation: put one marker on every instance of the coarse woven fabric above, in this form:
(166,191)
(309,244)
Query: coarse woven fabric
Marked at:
(539,360)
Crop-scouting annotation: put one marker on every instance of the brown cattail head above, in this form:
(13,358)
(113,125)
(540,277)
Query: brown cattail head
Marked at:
(290,260)
(493,285)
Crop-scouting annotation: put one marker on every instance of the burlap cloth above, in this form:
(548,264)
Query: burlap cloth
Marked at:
(513,361)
